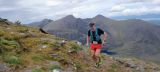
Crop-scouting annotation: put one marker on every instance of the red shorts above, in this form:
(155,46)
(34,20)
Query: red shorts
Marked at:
(96,46)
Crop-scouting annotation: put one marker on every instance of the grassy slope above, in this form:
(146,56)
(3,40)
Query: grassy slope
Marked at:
(27,49)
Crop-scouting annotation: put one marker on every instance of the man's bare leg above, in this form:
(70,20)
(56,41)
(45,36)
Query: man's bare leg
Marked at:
(93,55)
(97,54)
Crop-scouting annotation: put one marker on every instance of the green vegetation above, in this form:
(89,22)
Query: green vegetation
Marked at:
(38,57)
(37,70)
(9,44)
(52,67)
(12,60)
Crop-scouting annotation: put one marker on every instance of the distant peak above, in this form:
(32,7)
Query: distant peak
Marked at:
(100,16)
(69,16)
(46,19)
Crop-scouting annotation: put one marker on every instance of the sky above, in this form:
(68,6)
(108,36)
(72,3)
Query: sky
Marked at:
(35,10)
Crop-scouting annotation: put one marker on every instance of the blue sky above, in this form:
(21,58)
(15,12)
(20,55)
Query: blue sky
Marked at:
(34,10)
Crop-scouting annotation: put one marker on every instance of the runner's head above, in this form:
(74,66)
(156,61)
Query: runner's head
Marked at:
(92,26)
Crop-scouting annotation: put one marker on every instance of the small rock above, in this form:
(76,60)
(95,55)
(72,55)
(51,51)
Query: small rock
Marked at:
(55,49)
(43,31)
(8,28)
(22,34)
(79,43)
(54,63)
(63,42)
(43,47)
(72,52)
(3,67)
(132,65)
(56,70)
(64,62)
(55,55)
(140,68)
(12,32)
(119,61)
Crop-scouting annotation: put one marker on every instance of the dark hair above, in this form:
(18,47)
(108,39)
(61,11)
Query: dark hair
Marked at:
(91,24)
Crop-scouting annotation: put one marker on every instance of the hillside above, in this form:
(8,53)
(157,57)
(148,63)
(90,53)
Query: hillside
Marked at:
(26,49)
(131,37)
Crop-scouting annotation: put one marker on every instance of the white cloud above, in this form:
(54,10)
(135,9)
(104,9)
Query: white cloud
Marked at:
(135,7)
(53,2)
(29,10)
(6,9)
(117,8)
(132,1)
(136,11)
(156,1)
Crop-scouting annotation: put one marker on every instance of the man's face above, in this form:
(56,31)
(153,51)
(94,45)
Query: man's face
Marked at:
(93,27)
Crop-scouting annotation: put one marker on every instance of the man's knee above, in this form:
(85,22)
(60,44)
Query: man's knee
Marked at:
(97,53)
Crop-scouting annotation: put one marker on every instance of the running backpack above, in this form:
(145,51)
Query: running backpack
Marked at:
(96,34)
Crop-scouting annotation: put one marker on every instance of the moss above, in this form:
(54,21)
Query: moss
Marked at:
(52,67)
(12,60)
(9,44)
(37,70)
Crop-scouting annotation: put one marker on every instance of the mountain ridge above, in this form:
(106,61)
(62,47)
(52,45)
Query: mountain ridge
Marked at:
(133,37)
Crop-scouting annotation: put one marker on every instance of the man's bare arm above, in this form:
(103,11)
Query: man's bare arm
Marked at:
(105,37)
(88,40)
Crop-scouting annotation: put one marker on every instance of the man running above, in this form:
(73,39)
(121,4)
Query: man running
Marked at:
(95,42)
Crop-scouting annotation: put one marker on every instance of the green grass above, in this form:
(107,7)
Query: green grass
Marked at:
(37,70)
(12,60)
(38,58)
(9,44)
(52,67)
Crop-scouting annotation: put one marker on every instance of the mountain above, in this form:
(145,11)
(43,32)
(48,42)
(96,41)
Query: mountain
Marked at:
(136,38)
(40,24)
(69,27)
(157,22)
(133,37)
(26,49)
